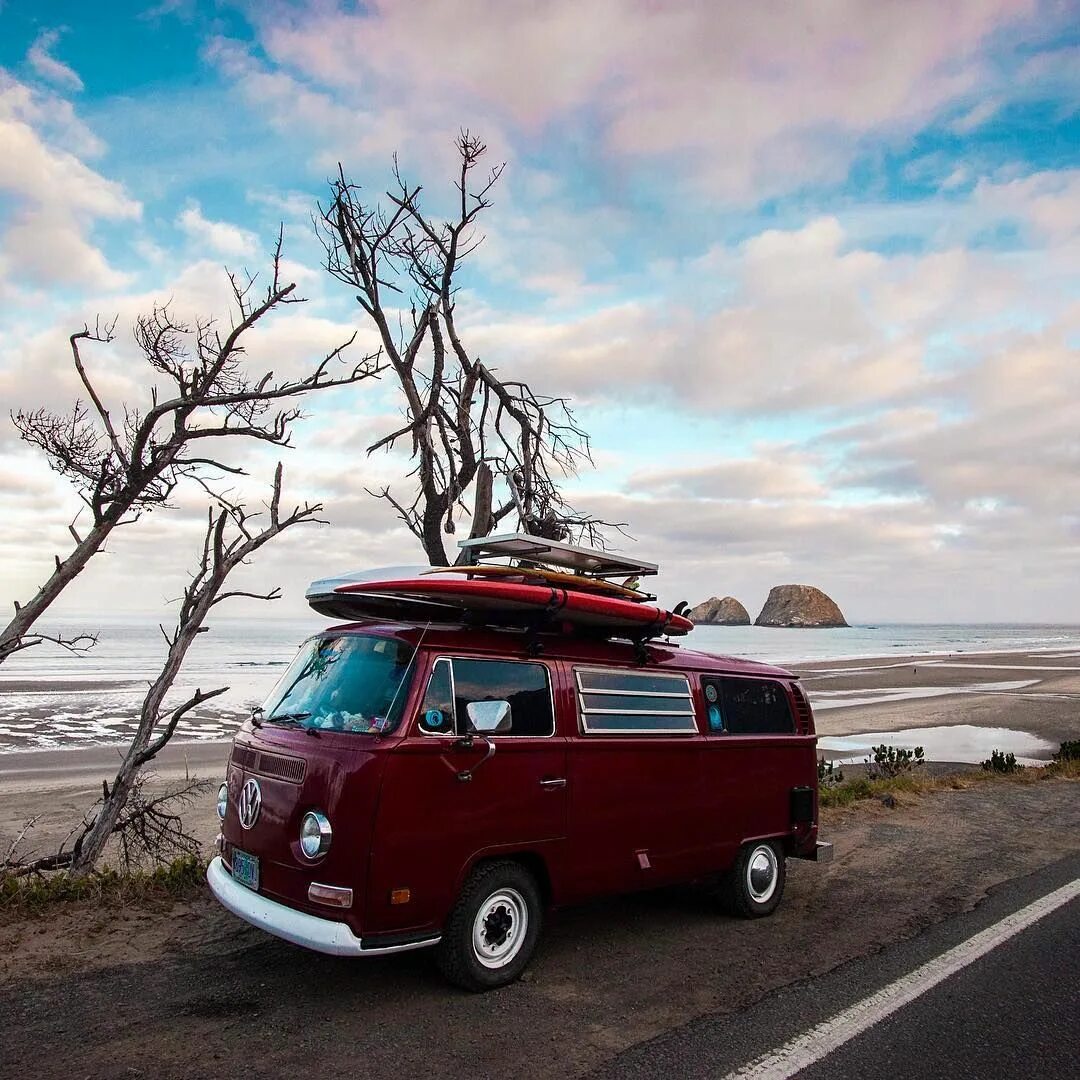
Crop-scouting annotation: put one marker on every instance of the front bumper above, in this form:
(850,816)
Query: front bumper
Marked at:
(322,935)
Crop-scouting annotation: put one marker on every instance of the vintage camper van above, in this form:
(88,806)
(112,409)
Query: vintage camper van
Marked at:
(455,761)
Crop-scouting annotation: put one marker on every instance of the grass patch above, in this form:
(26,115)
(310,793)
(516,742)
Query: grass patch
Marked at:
(33,894)
(862,788)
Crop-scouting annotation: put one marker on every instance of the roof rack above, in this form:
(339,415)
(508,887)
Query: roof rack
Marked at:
(581,560)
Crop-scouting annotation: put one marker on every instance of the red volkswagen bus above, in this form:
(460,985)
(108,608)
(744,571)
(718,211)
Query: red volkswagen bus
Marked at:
(415,784)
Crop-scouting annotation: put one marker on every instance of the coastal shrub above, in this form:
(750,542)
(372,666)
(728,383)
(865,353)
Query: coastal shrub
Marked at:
(893,761)
(1061,768)
(1069,751)
(829,774)
(998,762)
(31,894)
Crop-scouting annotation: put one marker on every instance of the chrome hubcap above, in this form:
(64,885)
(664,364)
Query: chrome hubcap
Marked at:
(761,872)
(499,928)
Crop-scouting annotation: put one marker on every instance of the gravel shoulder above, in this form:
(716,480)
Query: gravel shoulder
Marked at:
(186,990)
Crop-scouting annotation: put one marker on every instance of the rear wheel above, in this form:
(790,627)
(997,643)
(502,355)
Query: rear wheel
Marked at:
(754,886)
(492,931)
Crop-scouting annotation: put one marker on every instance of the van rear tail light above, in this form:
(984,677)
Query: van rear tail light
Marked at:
(331,895)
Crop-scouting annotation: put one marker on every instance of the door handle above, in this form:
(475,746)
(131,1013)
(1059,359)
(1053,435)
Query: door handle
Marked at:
(553,782)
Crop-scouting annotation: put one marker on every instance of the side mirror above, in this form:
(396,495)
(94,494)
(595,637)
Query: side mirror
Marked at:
(489,717)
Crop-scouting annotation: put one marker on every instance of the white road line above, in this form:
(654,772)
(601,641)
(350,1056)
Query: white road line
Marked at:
(816,1043)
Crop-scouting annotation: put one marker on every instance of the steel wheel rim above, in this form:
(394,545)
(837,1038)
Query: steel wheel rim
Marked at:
(762,873)
(499,929)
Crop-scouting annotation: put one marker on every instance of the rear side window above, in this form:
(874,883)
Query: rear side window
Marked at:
(634,703)
(747,707)
(455,683)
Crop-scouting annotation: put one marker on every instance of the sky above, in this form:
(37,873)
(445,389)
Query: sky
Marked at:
(809,273)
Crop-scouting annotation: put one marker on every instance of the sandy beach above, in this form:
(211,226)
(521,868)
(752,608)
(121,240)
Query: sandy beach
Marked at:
(982,700)
(59,786)
(1036,693)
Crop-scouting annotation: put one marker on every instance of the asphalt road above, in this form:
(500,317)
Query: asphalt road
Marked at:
(1011,1013)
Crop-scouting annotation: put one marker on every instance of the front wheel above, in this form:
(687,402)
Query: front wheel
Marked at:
(492,931)
(754,886)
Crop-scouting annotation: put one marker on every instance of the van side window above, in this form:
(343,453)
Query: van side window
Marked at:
(524,686)
(455,683)
(747,707)
(437,710)
(634,703)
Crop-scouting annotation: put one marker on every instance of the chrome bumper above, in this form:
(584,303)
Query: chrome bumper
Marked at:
(322,935)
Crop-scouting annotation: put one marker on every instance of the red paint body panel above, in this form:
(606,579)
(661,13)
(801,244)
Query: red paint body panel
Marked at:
(402,818)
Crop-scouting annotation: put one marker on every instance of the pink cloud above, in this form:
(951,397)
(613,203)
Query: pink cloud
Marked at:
(755,94)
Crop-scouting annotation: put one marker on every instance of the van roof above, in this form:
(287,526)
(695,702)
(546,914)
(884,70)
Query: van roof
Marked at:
(514,644)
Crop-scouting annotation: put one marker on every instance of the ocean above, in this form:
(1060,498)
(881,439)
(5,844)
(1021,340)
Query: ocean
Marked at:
(52,699)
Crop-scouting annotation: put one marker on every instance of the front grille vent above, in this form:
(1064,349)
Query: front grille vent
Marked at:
(803,723)
(244,756)
(259,761)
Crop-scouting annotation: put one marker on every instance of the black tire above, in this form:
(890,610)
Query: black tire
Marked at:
(509,895)
(754,886)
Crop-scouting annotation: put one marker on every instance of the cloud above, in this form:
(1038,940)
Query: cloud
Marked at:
(1046,204)
(773,473)
(218,236)
(745,98)
(56,197)
(47,66)
(869,393)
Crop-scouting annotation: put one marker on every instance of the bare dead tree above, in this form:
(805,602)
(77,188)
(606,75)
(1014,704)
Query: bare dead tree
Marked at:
(231,537)
(465,425)
(150,830)
(122,469)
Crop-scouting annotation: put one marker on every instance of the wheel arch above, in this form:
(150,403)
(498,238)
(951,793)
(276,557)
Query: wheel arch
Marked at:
(531,859)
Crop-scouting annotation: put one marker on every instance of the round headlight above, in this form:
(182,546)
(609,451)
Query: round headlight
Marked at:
(222,800)
(315,834)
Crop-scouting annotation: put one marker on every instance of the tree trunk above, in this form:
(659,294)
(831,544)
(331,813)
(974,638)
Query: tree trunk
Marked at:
(483,520)
(434,548)
(93,843)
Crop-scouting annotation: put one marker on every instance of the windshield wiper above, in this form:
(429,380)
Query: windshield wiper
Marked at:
(287,717)
(294,718)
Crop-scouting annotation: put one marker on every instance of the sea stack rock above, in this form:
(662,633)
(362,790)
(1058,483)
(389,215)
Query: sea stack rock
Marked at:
(799,605)
(717,612)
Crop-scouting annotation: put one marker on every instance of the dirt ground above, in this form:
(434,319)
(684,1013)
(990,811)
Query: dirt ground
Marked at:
(186,990)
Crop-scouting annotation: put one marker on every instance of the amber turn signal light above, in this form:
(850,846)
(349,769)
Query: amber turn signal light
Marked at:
(400,896)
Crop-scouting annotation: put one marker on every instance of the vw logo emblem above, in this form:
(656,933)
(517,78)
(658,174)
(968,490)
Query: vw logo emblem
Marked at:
(250,804)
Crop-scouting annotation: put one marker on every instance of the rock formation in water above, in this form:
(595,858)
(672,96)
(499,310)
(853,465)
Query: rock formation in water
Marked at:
(717,612)
(799,605)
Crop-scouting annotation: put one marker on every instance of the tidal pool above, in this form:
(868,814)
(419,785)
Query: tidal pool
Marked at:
(958,742)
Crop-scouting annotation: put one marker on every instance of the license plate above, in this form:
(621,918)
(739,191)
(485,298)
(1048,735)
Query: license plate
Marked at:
(245,869)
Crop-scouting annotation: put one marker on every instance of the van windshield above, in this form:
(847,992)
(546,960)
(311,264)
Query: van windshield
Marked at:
(351,682)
